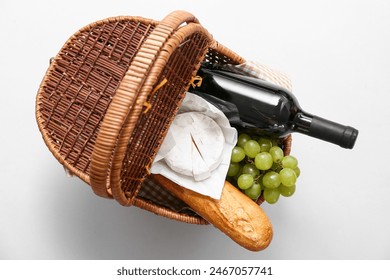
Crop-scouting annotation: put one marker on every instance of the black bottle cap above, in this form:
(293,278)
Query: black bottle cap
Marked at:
(344,136)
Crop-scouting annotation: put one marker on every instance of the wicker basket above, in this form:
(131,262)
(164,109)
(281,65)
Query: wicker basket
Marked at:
(109,96)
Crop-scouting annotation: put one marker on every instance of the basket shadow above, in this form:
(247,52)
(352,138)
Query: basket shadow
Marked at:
(82,225)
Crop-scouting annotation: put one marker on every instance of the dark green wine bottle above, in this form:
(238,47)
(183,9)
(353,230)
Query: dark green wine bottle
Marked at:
(258,107)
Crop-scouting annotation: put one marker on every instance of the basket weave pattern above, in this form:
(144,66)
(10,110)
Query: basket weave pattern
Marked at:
(79,86)
(152,126)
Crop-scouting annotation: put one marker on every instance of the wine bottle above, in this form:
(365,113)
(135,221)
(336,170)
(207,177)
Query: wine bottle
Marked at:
(258,107)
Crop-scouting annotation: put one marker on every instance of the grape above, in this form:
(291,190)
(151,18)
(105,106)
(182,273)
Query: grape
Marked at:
(250,169)
(271,195)
(263,161)
(242,139)
(297,171)
(254,191)
(245,181)
(276,153)
(288,177)
(286,191)
(265,144)
(258,164)
(238,173)
(234,168)
(251,148)
(289,162)
(238,154)
(271,180)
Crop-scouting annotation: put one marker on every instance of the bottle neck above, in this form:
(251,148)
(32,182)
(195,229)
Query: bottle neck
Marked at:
(315,126)
(302,122)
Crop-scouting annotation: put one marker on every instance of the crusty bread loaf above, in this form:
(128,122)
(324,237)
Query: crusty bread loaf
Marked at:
(234,213)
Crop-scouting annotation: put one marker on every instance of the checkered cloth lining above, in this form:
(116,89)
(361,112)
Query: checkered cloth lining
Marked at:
(260,71)
(160,196)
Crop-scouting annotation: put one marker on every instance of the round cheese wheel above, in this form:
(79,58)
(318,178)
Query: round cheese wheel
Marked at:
(199,145)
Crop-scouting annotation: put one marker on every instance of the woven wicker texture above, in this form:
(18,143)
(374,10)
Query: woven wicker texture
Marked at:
(109,96)
(128,101)
(80,83)
(152,125)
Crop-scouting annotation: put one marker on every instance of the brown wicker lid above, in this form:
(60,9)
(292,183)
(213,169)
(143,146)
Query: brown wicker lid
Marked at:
(79,85)
(145,104)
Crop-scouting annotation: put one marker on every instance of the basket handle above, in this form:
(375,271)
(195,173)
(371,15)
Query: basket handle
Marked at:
(176,18)
(125,97)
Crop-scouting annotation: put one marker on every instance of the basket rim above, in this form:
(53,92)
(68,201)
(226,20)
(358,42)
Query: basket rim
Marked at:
(162,211)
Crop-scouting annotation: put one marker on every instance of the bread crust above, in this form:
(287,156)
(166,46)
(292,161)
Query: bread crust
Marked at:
(235,214)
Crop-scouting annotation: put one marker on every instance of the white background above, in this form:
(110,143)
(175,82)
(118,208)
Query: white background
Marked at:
(337,54)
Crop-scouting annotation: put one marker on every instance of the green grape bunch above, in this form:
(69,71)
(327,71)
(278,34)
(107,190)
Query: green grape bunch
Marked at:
(259,166)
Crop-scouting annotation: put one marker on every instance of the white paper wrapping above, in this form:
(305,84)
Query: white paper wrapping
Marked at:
(197,149)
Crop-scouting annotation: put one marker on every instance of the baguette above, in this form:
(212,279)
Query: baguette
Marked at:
(234,213)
